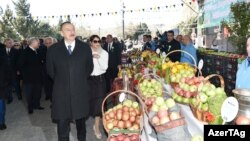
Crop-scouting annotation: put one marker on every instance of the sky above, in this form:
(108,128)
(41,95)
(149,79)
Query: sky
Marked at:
(76,7)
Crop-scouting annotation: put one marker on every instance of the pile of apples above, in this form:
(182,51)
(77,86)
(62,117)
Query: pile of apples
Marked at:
(164,111)
(187,89)
(124,116)
(176,71)
(150,88)
(125,137)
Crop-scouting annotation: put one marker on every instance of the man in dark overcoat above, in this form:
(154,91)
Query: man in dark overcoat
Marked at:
(69,63)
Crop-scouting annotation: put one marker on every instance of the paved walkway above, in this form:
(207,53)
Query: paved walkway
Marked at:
(36,127)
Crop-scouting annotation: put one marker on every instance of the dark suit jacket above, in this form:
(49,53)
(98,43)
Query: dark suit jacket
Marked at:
(2,84)
(114,59)
(171,46)
(30,65)
(9,63)
(70,97)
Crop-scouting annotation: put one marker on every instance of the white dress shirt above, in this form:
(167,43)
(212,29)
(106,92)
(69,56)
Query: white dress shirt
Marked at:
(100,64)
(32,49)
(8,50)
(73,44)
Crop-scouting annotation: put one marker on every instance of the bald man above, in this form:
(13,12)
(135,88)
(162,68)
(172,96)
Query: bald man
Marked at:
(188,46)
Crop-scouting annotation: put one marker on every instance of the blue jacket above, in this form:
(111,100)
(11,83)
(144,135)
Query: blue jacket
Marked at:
(243,76)
(190,49)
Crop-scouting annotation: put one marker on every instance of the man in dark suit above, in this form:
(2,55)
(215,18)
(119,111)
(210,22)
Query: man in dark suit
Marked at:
(47,81)
(10,56)
(30,65)
(114,50)
(170,45)
(2,92)
(69,63)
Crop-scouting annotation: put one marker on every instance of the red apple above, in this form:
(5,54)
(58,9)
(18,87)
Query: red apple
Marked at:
(132,119)
(156,120)
(126,139)
(125,108)
(162,113)
(137,112)
(128,124)
(107,117)
(136,127)
(175,115)
(132,113)
(113,139)
(164,120)
(119,115)
(125,116)
(111,115)
(120,124)
(242,120)
(120,137)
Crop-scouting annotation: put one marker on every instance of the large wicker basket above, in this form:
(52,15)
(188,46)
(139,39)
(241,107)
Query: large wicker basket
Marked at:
(141,106)
(201,115)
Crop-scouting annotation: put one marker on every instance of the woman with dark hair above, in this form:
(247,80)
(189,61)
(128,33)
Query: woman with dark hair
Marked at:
(97,82)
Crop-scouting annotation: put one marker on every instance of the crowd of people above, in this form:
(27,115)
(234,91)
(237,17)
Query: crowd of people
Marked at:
(75,75)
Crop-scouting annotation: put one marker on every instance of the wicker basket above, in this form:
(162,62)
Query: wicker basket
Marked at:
(200,115)
(150,76)
(141,106)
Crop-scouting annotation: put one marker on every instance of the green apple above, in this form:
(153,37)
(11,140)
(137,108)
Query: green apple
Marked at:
(212,86)
(204,88)
(149,84)
(159,101)
(211,93)
(170,103)
(135,105)
(164,106)
(194,102)
(203,97)
(186,87)
(204,107)
(155,108)
(173,78)
(174,95)
(179,99)
(128,103)
(193,88)
(219,90)
(153,81)
(185,100)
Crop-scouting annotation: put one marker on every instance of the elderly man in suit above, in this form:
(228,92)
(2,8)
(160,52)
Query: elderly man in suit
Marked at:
(114,50)
(30,64)
(70,63)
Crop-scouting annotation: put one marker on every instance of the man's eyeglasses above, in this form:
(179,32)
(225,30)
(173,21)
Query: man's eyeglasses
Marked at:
(95,41)
(16,45)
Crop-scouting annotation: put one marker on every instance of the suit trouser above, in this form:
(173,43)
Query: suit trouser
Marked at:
(16,84)
(33,95)
(2,111)
(63,129)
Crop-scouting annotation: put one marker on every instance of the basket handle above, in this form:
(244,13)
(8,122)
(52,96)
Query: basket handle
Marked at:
(150,74)
(222,82)
(122,91)
(195,63)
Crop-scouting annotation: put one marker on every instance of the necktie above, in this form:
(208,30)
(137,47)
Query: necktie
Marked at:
(8,51)
(69,49)
(109,48)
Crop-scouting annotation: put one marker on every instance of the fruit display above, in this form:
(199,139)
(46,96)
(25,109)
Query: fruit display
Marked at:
(150,88)
(124,137)
(187,89)
(176,71)
(124,117)
(128,72)
(208,104)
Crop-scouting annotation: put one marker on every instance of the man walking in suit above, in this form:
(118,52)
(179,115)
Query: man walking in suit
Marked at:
(31,67)
(114,50)
(69,63)
(10,56)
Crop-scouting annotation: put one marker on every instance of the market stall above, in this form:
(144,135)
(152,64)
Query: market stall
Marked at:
(176,99)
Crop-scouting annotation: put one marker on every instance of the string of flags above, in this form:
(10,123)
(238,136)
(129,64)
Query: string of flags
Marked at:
(125,11)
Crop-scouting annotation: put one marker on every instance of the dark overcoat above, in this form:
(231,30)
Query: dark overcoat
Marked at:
(70,98)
